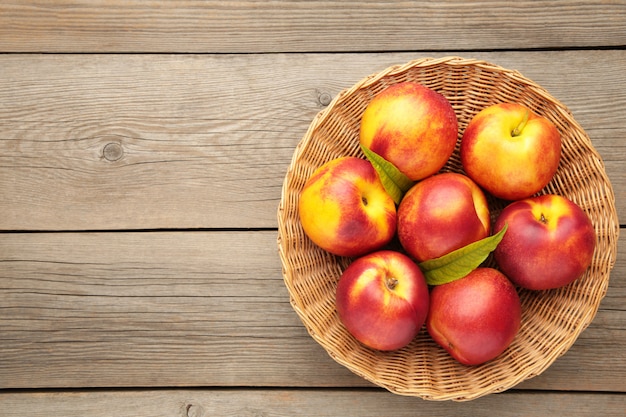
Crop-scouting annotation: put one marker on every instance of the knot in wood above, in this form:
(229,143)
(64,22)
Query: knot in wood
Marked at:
(324,98)
(195,410)
(112,151)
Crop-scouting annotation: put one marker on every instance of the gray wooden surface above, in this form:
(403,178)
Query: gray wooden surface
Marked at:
(142,151)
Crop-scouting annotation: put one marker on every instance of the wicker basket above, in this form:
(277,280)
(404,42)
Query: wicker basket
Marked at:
(551,320)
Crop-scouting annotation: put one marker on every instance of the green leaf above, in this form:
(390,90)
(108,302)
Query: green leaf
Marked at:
(460,262)
(394,181)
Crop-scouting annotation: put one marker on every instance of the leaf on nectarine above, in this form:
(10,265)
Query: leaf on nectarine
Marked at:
(459,263)
(394,181)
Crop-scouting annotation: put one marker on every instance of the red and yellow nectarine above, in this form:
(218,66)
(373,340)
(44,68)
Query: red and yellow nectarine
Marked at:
(344,208)
(475,318)
(440,214)
(510,151)
(382,299)
(549,242)
(412,126)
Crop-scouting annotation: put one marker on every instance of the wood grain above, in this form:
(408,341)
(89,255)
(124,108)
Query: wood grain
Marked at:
(165,309)
(142,150)
(275,403)
(115,142)
(297,26)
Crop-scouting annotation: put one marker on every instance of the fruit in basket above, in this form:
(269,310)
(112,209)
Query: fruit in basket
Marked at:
(549,242)
(475,318)
(510,151)
(344,208)
(382,299)
(412,126)
(440,214)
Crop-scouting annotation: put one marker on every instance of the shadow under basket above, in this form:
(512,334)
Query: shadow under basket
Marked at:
(551,320)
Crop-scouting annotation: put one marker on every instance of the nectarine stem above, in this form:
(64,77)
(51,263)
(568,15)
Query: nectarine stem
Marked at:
(391,283)
(518,130)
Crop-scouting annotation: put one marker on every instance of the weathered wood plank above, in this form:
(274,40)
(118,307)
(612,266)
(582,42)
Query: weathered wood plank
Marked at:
(294,26)
(201,309)
(249,403)
(101,142)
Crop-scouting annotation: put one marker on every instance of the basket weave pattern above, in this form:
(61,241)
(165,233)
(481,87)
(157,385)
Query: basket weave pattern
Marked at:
(551,320)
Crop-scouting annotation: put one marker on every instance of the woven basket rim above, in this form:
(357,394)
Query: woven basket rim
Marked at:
(289,247)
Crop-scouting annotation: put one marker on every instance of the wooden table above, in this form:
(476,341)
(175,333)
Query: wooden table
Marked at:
(143,146)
